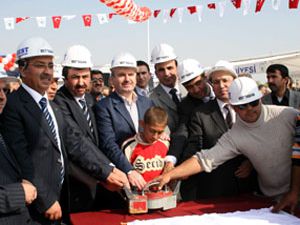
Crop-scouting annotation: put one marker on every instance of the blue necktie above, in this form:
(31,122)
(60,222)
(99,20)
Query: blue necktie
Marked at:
(43,103)
(86,113)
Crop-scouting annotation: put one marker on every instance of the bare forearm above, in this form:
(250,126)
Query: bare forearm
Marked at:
(189,167)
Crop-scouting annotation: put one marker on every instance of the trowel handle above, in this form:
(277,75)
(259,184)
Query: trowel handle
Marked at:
(154,183)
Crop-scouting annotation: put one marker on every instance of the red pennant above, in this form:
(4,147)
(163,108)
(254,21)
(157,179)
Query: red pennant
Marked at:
(259,5)
(110,16)
(87,20)
(293,4)
(156,12)
(192,9)
(237,3)
(172,11)
(21,19)
(56,21)
(211,5)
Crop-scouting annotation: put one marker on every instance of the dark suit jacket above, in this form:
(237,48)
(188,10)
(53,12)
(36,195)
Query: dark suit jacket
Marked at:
(115,126)
(206,126)
(294,99)
(28,135)
(162,99)
(180,136)
(94,162)
(13,210)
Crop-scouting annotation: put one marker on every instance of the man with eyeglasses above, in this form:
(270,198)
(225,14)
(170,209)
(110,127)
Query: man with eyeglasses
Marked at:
(205,126)
(265,134)
(97,83)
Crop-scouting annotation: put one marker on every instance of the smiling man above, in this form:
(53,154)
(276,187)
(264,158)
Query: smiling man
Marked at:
(264,134)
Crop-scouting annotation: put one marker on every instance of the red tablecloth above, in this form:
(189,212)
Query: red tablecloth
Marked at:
(221,205)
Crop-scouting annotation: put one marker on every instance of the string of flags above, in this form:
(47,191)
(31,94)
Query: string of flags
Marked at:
(10,23)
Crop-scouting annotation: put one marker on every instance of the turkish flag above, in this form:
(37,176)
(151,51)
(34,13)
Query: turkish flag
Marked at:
(172,11)
(87,20)
(192,9)
(211,5)
(259,5)
(156,12)
(293,4)
(237,3)
(21,19)
(110,16)
(56,21)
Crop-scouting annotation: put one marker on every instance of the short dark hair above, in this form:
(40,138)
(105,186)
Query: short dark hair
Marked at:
(156,115)
(93,72)
(143,63)
(284,71)
(65,70)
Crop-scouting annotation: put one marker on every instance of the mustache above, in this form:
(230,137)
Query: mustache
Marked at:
(80,86)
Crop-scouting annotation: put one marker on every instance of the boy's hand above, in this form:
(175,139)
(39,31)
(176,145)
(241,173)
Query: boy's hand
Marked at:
(168,166)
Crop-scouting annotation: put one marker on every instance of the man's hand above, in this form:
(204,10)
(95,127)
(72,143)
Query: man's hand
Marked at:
(168,166)
(164,136)
(29,190)
(116,180)
(136,179)
(163,179)
(289,201)
(54,212)
(244,169)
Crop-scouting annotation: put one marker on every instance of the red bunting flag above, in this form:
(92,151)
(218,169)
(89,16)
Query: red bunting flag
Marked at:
(192,9)
(156,13)
(293,4)
(110,16)
(87,20)
(211,5)
(21,19)
(172,11)
(259,5)
(237,3)
(56,21)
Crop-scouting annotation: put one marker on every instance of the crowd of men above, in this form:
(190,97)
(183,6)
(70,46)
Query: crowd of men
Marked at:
(61,149)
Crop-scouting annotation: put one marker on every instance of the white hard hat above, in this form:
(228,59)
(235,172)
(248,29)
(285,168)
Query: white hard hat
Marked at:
(77,56)
(57,73)
(223,65)
(34,46)
(123,59)
(162,53)
(5,77)
(243,90)
(188,69)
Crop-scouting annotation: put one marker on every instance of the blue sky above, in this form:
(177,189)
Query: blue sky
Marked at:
(232,37)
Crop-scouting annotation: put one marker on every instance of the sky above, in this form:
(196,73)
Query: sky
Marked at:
(231,37)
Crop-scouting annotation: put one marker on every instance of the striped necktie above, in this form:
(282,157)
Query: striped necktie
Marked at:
(174,96)
(86,113)
(228,117)
(43,103)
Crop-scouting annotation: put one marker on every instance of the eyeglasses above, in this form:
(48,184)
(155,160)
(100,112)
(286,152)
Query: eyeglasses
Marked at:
(94,80)
(43,66)
(244,106)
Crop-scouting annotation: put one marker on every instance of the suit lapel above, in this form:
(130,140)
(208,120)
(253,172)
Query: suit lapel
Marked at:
(164,97)
(31,106)
(90,104)
(119,106)
(217,116)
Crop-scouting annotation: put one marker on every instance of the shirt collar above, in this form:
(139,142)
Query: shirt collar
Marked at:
(133,100)
(34,94)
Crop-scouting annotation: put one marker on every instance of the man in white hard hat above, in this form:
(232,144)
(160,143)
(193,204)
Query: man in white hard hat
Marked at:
(199,91)
(206,125)
(32,129)
(169,92)
(76,104)
(15,193)
(263,133)
(118,115)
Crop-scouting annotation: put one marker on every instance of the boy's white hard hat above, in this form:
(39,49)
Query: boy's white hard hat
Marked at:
(162,53)
(32,47)
(77,56)
(223,65)
(123,59)
(188,69)
(243,90)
